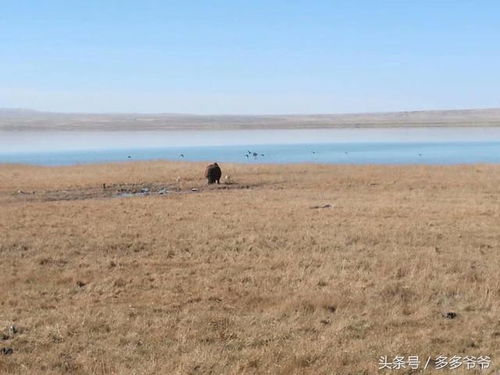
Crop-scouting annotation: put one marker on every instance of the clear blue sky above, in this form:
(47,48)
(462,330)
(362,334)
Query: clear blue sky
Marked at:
(252,57)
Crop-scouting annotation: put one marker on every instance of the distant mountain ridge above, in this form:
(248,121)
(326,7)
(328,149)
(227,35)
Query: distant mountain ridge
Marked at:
(17,111)
(27,119)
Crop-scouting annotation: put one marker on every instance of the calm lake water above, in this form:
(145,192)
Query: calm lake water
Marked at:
(347,146)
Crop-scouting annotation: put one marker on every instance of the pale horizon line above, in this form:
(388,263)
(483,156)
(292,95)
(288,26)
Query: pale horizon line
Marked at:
(42,111)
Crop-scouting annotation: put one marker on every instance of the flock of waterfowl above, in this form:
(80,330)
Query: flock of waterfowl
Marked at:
(255,155)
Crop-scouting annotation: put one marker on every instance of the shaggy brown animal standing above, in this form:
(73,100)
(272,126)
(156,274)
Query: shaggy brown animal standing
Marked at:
(213,173)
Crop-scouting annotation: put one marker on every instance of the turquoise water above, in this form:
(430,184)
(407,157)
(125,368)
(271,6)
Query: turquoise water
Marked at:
(344,153)
(343,146)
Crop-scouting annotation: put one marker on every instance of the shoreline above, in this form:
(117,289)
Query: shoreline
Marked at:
(7,165)
(152,171)
(179,128)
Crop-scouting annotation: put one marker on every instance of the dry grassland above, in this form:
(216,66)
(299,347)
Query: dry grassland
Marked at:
(19,120)
(248,277)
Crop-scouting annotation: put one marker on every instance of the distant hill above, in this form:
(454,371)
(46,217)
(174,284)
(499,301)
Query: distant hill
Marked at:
(17,112)
(25,119)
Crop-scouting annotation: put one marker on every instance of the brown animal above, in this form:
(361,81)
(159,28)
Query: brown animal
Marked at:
(213,173)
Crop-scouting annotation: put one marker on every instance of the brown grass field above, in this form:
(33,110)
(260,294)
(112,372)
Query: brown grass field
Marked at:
(256,276)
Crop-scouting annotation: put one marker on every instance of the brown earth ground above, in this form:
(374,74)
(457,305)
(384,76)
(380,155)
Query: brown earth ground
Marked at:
(281,270)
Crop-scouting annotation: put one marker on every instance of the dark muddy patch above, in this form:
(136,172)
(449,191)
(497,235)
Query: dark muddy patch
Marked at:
(122,191)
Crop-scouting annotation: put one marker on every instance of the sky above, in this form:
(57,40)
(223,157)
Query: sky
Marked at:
(249,57)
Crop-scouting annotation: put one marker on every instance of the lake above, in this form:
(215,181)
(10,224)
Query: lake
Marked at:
(346,146)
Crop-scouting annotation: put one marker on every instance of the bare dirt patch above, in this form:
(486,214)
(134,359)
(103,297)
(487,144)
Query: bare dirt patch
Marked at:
(120,191)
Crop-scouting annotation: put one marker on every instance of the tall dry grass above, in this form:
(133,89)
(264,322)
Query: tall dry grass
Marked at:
(248,280)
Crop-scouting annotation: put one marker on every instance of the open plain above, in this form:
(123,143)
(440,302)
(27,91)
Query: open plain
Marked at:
(141,268)
(30,120)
